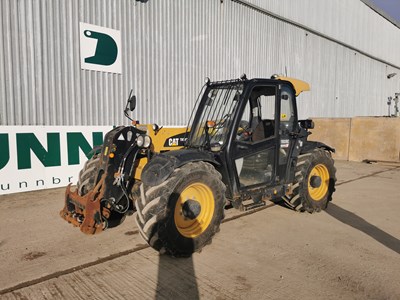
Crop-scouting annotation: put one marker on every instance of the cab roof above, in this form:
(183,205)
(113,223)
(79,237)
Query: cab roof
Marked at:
(299,85)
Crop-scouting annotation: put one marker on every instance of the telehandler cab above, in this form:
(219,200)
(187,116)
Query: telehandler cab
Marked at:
(244,145)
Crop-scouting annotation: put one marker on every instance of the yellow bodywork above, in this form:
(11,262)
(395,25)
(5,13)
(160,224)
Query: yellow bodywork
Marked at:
(299,85)
(164,140)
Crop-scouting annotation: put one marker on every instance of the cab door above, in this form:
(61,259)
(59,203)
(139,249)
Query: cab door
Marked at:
(254,158)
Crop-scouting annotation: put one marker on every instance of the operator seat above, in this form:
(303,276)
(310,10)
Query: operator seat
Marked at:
(259,132)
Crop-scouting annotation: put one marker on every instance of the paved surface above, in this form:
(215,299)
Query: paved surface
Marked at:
(350,251)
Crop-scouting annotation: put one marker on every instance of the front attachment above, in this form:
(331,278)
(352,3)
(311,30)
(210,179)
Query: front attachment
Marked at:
(85,211)
(103,195)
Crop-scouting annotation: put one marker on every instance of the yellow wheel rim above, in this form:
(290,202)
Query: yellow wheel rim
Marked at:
(317,193)
(204,197)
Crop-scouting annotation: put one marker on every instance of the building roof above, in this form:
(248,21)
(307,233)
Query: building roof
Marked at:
(381,12)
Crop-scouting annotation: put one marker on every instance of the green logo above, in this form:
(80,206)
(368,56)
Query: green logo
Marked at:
(106,49)
(28,143)
(5,152)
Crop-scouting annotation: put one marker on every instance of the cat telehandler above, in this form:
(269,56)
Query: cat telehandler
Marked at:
(243,145)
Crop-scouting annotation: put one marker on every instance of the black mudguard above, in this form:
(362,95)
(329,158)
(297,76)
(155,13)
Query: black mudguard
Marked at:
(161,166)
(310,146)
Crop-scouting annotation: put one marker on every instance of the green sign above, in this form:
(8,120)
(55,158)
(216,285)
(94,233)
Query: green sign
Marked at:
(100,48)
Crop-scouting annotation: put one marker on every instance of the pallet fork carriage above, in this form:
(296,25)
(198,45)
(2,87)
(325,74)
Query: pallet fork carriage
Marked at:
(244,145)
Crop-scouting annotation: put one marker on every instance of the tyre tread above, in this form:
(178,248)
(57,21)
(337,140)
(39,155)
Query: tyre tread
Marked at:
(299,200)
(152,207)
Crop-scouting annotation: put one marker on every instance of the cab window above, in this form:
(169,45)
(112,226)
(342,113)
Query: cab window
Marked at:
(257,121)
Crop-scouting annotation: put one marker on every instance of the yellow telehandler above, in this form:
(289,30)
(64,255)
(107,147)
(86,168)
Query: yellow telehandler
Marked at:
(244,145)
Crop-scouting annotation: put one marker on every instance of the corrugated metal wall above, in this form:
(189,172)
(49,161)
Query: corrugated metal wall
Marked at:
(350,21)
(168,47)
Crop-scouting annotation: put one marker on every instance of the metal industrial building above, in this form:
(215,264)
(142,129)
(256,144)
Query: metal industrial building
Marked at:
(344,49)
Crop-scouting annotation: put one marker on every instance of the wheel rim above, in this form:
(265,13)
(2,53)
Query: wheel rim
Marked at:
(195,226)
(317,193)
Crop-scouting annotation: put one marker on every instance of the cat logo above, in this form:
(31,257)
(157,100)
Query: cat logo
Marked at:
(173,142)
(178,140)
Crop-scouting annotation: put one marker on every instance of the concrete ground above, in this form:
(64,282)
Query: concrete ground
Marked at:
(350,251)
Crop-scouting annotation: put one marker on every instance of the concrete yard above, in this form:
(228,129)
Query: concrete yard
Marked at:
(350,251)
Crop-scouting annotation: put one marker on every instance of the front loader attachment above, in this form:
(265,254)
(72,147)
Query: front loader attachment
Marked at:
(103,196)
(85,211)
(109,181)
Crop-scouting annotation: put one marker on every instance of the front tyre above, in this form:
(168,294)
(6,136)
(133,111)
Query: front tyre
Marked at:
(88,176)
(181,215)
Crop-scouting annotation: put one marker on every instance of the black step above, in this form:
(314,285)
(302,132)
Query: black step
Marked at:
(246,207)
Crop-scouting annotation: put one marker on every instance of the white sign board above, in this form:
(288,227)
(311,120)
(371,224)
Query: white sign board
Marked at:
(100,48)
(40,157)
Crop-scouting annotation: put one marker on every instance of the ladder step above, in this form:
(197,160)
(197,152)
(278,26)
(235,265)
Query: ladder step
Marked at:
(246,207)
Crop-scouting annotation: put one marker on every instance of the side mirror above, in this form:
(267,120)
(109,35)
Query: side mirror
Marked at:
(307,124)
(132,103)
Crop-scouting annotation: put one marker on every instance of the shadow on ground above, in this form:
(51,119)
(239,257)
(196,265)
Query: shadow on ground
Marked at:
(359,223)
(176,279)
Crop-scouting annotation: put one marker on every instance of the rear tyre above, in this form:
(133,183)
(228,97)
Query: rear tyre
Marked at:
(181,215)
(315,178)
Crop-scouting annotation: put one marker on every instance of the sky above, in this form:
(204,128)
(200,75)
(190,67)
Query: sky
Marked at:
(391,7)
